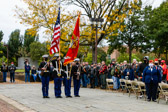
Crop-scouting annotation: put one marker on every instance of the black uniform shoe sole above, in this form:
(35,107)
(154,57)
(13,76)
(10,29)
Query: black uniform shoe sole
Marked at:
(58,97)
(68,96)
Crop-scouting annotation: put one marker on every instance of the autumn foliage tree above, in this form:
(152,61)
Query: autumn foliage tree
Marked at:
(109,10)
(43,14)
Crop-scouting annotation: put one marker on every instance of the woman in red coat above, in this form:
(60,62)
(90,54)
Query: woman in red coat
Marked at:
(164,67)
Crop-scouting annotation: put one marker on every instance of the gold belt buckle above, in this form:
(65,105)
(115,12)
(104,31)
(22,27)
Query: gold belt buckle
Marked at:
(59,74)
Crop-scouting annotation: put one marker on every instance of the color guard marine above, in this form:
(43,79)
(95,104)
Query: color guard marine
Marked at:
(76,77)
(45,73)
(57,75)
(67,80)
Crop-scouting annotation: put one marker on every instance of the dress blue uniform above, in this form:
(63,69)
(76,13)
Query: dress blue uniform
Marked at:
(151,77)
(45,78)
(57,79)
(67,83)
(76,80)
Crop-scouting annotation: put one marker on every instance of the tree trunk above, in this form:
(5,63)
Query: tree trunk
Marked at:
(130,55)
(93,53)
(159,55)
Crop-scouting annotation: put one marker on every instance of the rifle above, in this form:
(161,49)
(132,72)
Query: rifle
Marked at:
(45,66)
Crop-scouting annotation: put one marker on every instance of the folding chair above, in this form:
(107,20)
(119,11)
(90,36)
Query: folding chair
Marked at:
(128,85)
(109,83)
(163,88)
(142,89)
(122,84)
(135,88)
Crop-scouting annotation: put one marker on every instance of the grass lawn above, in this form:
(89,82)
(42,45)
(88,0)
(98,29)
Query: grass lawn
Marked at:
(20,70)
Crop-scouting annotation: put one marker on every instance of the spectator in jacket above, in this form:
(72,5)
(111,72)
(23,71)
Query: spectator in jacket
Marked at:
(97,80)
(92,76)
(12,69)
(115,72)
(102,72)
(122,68)
(109,76)
(86,74)
(143,65)
(27,72)
(129,72)
(164,67)
(151,77)
(4,70)
(34,73)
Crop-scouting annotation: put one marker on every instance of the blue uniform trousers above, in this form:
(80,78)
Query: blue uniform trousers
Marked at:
(151,90)
(57,86)
(4,76)
(45,85)
(76,86)
(67,86)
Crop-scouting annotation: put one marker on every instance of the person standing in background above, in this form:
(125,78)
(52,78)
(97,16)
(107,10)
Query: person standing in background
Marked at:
(102,72)
(164,67)
(27,72)
(12,69)
(109,76)
(4,70)
(97,80)
(143,65)
(92,76)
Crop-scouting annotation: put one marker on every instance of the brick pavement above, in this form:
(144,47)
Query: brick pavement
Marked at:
(6,107)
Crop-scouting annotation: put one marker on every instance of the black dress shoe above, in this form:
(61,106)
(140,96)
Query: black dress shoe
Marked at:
(68,96)
(58,96)
(44,96)
(47,97)
(77,96)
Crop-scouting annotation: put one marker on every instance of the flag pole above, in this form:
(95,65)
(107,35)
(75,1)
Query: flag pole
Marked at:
(60,39)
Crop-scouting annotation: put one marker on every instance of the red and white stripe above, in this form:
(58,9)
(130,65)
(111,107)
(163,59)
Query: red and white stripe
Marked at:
(56,39)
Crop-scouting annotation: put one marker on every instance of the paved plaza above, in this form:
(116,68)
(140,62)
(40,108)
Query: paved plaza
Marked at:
(92,100)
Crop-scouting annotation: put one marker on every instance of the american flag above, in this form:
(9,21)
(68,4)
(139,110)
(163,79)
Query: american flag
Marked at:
(56,37)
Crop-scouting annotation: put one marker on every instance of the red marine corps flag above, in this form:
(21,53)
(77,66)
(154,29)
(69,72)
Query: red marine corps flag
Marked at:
(74,45)
(56,37)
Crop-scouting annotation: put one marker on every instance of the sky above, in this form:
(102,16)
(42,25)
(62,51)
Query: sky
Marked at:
(8,22)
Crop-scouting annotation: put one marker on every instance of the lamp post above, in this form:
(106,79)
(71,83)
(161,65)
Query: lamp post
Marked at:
(96,21)
(6,45)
